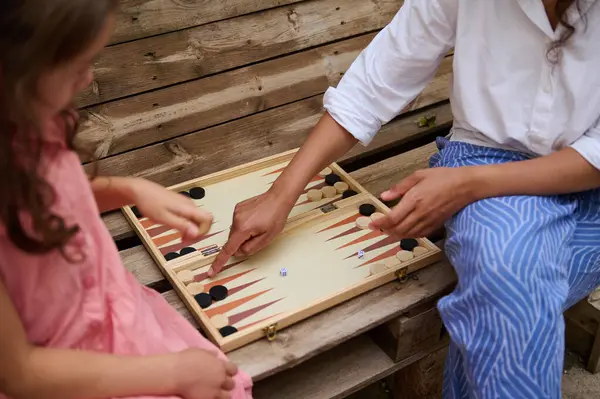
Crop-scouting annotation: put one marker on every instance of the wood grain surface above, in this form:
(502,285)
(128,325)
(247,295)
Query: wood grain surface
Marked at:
(243,140)
(334,374)
(144,119)
(146,64)
(137,19)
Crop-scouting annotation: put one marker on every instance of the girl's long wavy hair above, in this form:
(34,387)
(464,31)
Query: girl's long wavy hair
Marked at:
(35,36)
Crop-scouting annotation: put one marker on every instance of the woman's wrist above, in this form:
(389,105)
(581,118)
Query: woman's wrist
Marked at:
(285,192)
(478,182)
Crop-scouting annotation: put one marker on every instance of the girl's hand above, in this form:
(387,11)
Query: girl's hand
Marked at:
(429,198)
(202,375)
(171,209)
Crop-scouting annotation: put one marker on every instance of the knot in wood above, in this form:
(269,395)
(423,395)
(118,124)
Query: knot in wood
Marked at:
(176,149)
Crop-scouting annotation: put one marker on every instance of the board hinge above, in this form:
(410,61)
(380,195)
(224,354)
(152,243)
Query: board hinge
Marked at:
(328,208)
(271,332)
(402,274)
(427,121)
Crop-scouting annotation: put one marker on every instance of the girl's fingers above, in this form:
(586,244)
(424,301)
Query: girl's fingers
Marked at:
(231,369)
(202,219)
(229,384)
(187,228)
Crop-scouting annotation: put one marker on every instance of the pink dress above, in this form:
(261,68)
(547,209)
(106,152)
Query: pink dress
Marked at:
(94,305)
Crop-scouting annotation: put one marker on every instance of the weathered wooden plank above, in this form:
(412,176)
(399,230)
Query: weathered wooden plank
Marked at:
(294,121)
(149,118)
(137,121)
(137,19)
(336,373)
(409,334)
(340,370)
(243,140)
(117,225)
(147,64)
(139,262)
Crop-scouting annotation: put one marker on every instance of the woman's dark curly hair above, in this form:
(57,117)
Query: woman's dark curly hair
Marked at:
(35,36)
(561,13)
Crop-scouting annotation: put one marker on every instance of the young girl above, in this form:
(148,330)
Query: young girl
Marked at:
(517,185)
(75,324)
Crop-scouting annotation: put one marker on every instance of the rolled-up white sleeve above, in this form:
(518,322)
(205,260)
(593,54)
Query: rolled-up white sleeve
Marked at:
(394,68)
(588,145)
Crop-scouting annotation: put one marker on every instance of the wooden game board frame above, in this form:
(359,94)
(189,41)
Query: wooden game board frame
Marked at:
(270,328)
(216,178)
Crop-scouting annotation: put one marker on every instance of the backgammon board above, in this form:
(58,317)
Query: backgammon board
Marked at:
(325,255)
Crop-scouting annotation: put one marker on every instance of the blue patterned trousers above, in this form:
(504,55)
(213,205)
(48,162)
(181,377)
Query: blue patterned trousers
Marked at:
(521,261)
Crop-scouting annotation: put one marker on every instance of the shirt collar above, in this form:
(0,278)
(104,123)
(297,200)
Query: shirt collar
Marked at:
(534,9)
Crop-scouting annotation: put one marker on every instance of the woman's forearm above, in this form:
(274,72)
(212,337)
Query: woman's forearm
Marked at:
(562,172)
(69,374)
(326,142)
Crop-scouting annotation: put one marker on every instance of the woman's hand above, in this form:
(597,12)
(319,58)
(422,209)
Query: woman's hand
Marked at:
(256,222)
(429,198)
(170,209)
(202,375)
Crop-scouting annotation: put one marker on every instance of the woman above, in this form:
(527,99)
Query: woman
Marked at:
(516,185)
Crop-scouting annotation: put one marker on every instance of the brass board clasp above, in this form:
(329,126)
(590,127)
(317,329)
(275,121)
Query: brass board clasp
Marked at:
(402,274)
(271,332)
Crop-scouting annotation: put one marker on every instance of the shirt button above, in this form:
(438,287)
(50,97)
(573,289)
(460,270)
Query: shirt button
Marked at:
(89,282)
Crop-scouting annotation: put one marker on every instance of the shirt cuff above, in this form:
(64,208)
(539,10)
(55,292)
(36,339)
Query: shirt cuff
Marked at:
(351,116)
(588,146)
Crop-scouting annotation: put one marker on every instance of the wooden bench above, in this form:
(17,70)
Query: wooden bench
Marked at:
(190,88)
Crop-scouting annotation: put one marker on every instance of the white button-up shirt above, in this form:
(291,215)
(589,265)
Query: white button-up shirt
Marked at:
(505,91)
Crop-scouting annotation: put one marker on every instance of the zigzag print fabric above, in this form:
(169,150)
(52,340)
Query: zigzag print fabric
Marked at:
(521,261)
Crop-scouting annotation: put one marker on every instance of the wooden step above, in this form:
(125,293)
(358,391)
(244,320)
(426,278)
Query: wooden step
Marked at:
(336,373)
